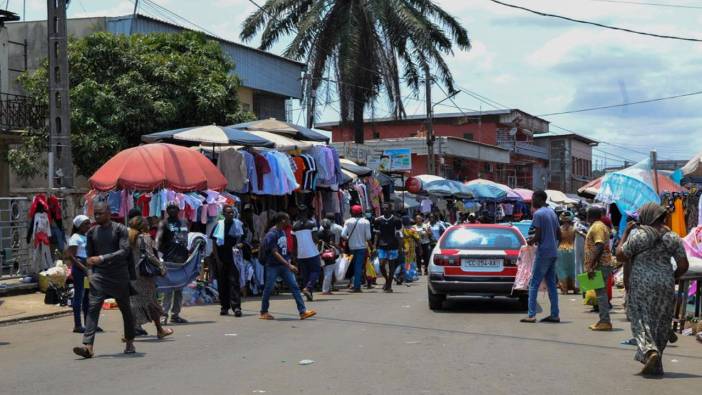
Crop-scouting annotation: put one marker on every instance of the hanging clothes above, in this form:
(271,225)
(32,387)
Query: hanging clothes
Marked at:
(40,241)
(232,164)
(692,209)
(677,218)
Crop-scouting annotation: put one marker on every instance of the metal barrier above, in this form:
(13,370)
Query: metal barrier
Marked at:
(14,257)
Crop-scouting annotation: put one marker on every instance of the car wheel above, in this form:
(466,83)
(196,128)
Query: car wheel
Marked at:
(436,301)
(524,302)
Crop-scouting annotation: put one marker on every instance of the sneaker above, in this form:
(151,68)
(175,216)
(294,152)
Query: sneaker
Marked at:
(237,312)
(99,330)
(176,319)
(307,314)
(266,316)
(307,294)
(601,327)
(224,312)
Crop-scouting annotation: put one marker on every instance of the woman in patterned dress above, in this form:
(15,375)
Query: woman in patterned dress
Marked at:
(649,279)
(565,265)
(145,306)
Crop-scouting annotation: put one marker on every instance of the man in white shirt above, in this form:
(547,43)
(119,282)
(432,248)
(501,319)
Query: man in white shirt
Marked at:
(306,252)
(357,233)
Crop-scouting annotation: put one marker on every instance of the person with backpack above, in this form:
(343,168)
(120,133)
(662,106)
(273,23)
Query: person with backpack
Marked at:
(275,256)
(356,234)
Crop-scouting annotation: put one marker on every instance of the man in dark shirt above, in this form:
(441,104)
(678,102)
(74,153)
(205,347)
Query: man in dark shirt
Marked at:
(108,260)
(274,255)
(172,242)
(225,237)
(387,243)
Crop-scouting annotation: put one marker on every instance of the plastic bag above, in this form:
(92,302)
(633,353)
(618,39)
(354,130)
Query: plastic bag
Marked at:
(590,298)
(342,266)
(370,270)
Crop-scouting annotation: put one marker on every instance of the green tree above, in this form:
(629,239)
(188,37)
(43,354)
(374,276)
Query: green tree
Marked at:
(362,43)
(122,87)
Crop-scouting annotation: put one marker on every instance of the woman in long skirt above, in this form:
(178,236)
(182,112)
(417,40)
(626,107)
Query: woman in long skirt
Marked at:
(145,306)
(649,279)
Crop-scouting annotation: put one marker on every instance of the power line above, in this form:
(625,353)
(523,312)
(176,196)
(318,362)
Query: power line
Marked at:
(622,104)
(650,4)
(596,24)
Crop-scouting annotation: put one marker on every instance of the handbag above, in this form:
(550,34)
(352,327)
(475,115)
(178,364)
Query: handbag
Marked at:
(146,268)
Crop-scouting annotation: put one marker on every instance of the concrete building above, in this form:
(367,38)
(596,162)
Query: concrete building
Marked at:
(570,165)
(267,80)
(496,145)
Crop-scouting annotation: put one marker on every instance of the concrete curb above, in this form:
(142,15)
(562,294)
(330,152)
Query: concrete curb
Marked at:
(38,317)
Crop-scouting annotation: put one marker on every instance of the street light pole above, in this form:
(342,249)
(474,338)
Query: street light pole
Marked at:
(430,127)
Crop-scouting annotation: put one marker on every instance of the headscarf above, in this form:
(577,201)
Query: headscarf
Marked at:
(649,213)
(79,219)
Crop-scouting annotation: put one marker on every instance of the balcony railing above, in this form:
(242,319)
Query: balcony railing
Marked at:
(20,112)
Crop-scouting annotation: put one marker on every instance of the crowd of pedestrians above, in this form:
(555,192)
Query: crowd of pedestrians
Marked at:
(645,251)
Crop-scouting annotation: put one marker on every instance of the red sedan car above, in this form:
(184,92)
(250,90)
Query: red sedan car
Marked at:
(475,260)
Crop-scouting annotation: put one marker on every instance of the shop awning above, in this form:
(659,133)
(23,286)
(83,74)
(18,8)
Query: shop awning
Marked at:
(282,142)
(694,166)
(351,166)
(559,197)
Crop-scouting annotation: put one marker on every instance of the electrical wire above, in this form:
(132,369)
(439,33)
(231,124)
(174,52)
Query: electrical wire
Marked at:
(650,4)
(596,24)
(622,104)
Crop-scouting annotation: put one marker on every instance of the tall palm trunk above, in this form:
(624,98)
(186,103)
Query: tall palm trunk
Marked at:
(358,106)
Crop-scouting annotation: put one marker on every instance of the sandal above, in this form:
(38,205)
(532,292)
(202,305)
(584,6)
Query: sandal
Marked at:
(166,333)
(83,352)
(266,316)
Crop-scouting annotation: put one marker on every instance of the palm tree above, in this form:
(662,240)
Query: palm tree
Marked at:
(363,43)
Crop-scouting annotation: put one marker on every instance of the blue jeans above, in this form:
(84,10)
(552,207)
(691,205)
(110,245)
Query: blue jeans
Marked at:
(272,274)
(544,269)
(359,258)
(311,268)
(79,302)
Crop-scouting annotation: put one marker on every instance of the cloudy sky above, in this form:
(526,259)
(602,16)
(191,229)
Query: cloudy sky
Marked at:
(537,64)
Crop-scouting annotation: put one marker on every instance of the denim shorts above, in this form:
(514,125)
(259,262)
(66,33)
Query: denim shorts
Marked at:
(390,255)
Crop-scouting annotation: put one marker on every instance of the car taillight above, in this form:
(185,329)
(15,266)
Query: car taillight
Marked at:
(446,260)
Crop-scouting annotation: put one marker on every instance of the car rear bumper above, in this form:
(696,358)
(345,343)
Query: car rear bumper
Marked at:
(482,286)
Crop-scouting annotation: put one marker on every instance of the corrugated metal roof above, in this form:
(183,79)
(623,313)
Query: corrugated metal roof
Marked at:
(256,69)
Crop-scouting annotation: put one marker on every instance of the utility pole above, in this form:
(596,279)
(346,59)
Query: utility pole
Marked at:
(60,158)
(431,165)
(654,163)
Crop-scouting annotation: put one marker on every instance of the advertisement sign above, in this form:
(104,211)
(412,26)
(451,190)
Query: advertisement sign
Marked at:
(398,159)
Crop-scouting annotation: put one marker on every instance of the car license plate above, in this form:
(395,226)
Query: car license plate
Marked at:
(481,265)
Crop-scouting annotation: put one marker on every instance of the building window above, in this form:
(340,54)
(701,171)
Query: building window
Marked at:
(468,136)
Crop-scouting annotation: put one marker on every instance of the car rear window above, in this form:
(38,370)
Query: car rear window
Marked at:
(481,239)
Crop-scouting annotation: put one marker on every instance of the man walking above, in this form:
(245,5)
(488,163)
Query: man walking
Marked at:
(274,255)
(226,236)
(387,244)
(172,242)
(108,261)
(598,256)
(357,233)
(306,252)
(547,234)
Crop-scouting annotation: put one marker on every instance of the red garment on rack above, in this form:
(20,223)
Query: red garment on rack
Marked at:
(39,199)
(54,209)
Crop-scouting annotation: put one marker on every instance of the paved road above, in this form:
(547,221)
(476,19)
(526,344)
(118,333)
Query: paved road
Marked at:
(370,343)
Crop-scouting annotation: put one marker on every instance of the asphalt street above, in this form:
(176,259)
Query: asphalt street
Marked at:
(370,343)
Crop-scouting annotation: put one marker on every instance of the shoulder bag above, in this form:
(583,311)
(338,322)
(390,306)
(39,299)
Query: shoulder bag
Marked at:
(345,243)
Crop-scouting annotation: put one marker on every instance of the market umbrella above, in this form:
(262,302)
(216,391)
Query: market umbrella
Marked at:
(509,193)
(273,125)
(590,189)
(694,166)
(209,134)
(559,197)
(383,178)
(633,187)
(526,194)
(152,166)
(448,188)
(351,166)
(486,190)
(282,142)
